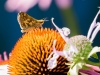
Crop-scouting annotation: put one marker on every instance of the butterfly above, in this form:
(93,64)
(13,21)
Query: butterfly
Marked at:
(27,22)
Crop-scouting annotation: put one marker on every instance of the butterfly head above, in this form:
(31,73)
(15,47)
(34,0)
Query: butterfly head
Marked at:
(42,21)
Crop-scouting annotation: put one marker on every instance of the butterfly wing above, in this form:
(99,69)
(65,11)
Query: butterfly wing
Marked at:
(25,21)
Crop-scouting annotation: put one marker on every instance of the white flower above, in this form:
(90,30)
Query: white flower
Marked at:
(64,32)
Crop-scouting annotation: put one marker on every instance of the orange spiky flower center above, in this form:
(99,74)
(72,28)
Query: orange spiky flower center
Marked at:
(29,55)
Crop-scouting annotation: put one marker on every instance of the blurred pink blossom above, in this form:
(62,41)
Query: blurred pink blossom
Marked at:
(44,4)
(63,3)
(25,5)
(20,5)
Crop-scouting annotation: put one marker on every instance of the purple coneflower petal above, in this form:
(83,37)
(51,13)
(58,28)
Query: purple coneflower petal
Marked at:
(1,58)
(44,4)
(5,55)
(89,72)
(96,68)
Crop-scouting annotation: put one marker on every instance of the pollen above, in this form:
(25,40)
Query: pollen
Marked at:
(29,55)
(80,42)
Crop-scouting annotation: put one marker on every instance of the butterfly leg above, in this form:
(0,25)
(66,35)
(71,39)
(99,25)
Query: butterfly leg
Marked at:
(22,31)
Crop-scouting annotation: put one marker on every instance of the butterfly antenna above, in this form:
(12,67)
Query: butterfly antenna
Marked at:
(45,19)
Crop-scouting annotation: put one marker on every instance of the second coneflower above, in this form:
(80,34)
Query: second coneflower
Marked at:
(29,56)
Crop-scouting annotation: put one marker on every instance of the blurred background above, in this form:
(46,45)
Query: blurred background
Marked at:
(74,14)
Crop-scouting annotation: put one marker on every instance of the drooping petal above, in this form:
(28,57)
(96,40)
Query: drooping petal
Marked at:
(52,62)
(93,25)
(44,4)
(62,32)
(95,32)
(89,72)
(20,5)
(63,3)
(93,51)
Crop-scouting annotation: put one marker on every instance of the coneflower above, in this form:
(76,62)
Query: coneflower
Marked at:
(44,51)
(29,56)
